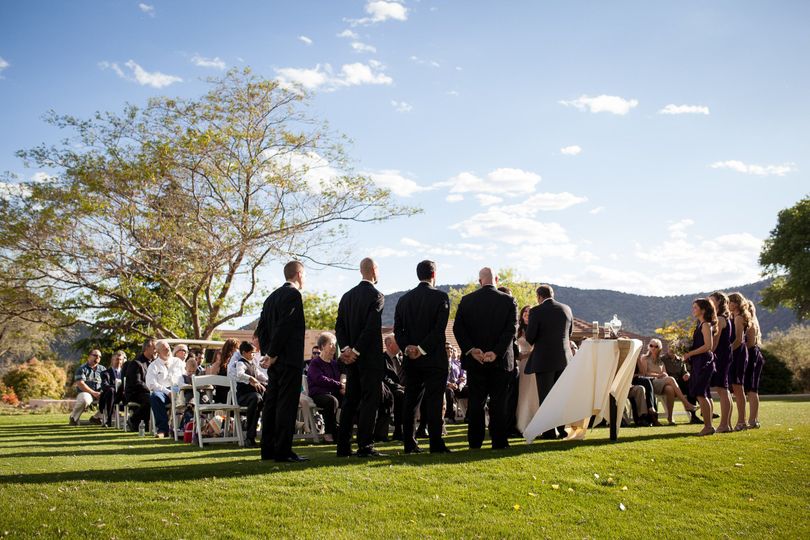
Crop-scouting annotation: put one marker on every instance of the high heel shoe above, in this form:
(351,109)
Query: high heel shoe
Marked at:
(704,432)
(741,426)
(753,425)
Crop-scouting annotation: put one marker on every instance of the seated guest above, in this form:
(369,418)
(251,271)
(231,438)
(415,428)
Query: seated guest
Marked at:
(112,391)
(250,387)
(651,365)
(316,353)
(228,353)
(88,383)
(678,369)
(192,369)
(394,382)
(456,383)
(323,380)
(163,373)
(642,402)
(135,390)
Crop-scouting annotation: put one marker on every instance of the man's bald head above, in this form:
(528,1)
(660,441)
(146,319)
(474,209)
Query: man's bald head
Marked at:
(368,269)
(485,276)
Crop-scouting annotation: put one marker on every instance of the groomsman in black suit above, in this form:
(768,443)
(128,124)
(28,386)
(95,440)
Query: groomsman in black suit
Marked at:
(359,333)
(549,330)
(420,320)
(280,332)
(485,328)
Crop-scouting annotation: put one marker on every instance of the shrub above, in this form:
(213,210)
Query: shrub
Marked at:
(777,378)
(35,379)
(793,347)
(8,396)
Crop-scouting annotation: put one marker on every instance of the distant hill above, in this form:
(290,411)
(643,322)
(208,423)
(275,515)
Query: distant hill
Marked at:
(638,313)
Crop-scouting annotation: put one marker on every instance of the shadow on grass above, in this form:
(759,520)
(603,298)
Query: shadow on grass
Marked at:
(249,464)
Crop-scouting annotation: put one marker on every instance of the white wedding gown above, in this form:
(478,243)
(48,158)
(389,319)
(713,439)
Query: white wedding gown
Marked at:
(528,402)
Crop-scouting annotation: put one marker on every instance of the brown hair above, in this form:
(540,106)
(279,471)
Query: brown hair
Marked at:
(721,300)
(743,307)
(292,268)
(545,291)
(228,349)
(709,314)
(752,310)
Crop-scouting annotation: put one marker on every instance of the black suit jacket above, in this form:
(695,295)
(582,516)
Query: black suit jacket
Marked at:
(486,319)
(135,374)
(421,319)
(281,327)
(359,324)
(550,328)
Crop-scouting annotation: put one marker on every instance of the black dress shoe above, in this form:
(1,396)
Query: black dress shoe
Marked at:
(414,450)
(345,454)
(369,453)
(500,447)
(250,443)
(421,434)
(562,435)
(292,459)
(442,450)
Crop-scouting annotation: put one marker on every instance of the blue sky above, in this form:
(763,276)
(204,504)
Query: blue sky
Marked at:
(464,109)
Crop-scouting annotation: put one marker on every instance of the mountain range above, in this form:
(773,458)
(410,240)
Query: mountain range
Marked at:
(638,313)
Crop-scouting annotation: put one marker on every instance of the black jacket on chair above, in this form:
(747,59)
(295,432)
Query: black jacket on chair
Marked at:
(486,319)
(421,319)
(549,330)
(281,327)
(359,324)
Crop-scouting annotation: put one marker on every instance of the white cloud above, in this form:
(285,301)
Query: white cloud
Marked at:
(597,210)
(396,182)
(42,177)
(505,181)
(544,202)
(305,40)
(678,229)
(215,62)
(11,190)
(401,106)
(363,47)
(572,150)
(348,34)
(155,79)
(603,103)
(380,11)
(505,226)
(307,78)
(487,199)
(3,64)
(386,252)
(471,251)
(684,109)
(358,73)
(758,170)
(425,62)
(146,8)
(454,198)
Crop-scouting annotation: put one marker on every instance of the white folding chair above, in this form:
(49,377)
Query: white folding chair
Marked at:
(306,415)
(231,422)
(128,406)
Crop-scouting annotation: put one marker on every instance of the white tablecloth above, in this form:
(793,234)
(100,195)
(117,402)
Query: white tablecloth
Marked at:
(584,388)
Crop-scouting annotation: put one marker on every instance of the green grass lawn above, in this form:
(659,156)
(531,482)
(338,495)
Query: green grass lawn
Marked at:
(57,481)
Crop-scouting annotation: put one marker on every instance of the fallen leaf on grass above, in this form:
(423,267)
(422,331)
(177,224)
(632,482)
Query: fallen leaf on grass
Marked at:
(596,476)
(571,490)
(624,488)
(442,514)
(516,507)
(622,507)
(738,464)
(555,486)
(532,494)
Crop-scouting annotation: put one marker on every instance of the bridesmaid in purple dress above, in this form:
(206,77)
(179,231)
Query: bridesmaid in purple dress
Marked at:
(702,360)
(739,354)
(754,369)
(722,358)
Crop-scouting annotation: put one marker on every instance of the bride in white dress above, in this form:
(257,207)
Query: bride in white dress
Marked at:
(528,401)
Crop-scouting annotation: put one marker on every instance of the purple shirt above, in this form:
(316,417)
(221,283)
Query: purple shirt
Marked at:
(456,375)
(323,378)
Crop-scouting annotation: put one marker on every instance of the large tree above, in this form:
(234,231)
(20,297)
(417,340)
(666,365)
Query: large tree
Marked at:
(786,257)
(163,216)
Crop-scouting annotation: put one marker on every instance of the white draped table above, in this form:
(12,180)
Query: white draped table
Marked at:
(597,379)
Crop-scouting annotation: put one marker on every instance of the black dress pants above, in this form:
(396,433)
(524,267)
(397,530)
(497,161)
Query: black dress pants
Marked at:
(363,394)
(426,385)
(280,410)
(252,400)
(482,383)
(545,382)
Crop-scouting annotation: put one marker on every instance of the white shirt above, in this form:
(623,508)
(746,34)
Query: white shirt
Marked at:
(160,376)
(236,370)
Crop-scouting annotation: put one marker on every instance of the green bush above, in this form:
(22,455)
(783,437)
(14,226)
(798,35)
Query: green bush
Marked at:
(35,379)
(777,378)
(793,347)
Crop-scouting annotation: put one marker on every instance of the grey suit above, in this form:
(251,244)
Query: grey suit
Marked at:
(549,330)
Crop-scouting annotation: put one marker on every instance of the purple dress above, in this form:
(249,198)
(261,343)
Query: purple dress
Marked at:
(722,356)
(702,366)
(739,360)
(753,370)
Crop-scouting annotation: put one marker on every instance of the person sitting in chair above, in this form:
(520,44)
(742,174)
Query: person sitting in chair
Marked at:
(250,387)
(323,381)
(88,382)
